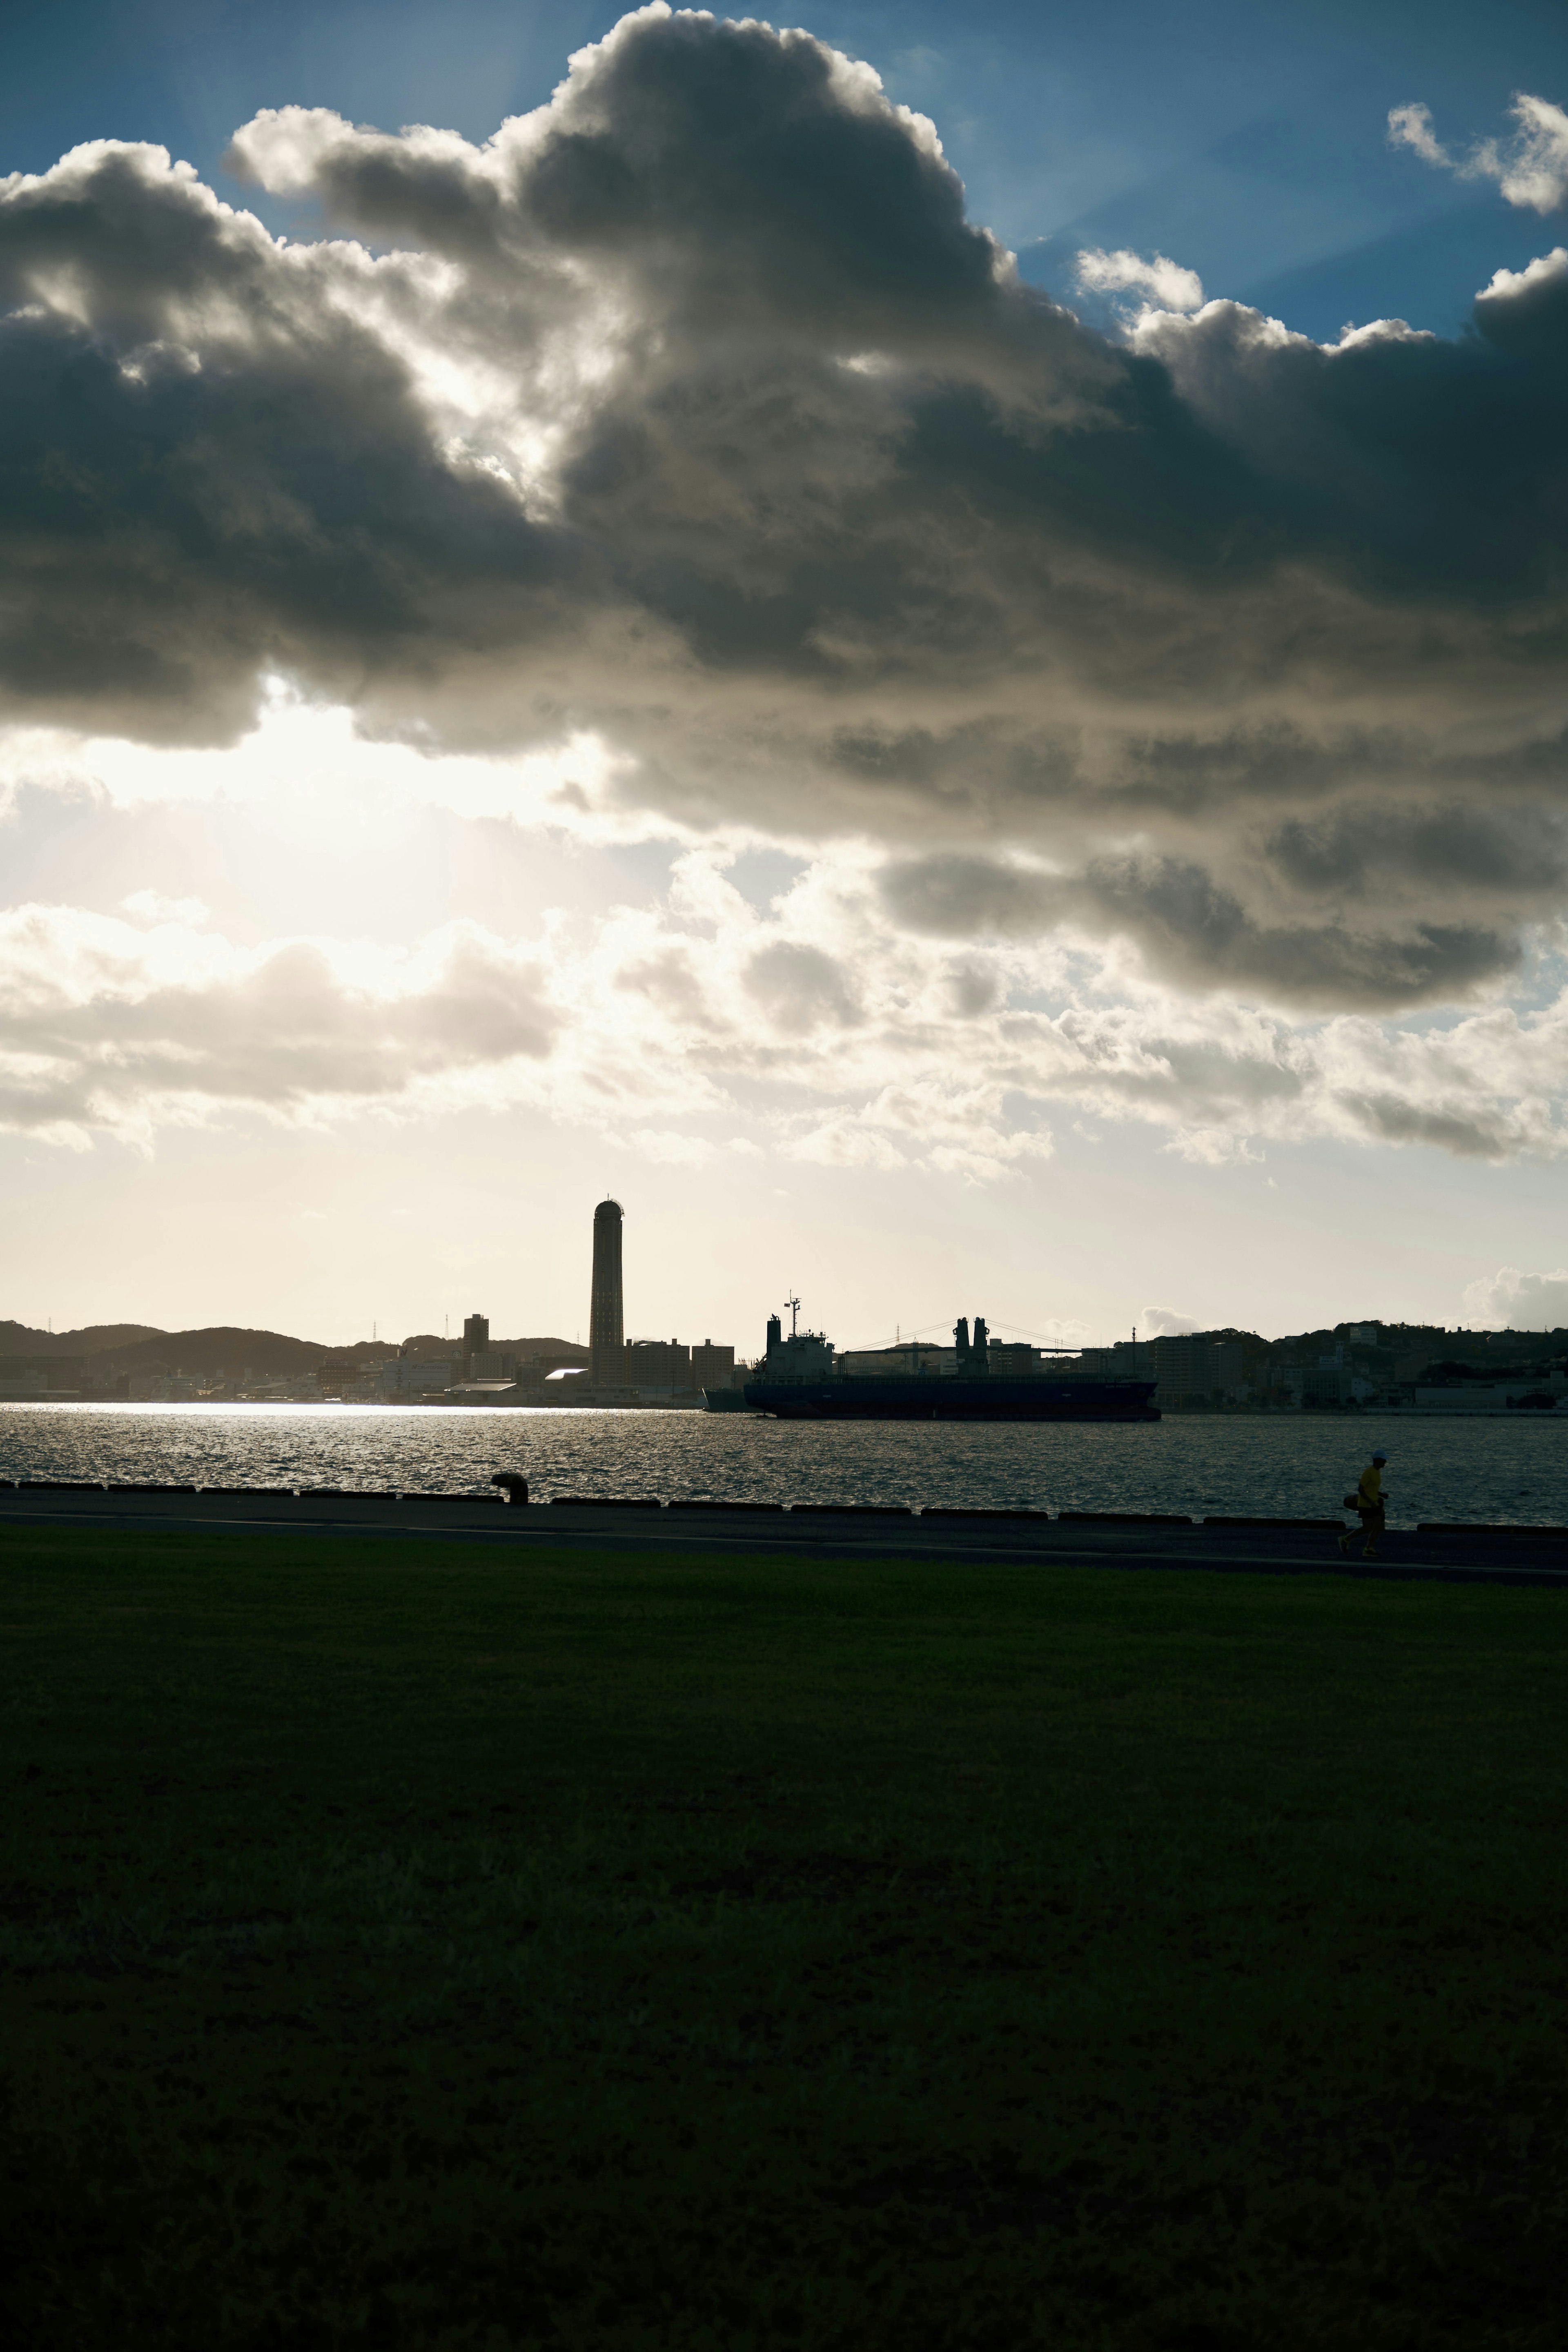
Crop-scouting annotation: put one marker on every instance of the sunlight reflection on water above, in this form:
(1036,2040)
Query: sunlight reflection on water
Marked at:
(1502,1468)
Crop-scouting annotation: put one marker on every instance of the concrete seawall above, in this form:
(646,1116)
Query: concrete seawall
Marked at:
(1266,1547)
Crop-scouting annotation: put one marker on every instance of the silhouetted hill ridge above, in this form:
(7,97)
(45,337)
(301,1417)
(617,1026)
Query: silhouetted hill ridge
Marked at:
(20,1340)
(230,1347)
(225,1346)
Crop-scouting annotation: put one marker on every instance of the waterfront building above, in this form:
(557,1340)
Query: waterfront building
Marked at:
(711,1367)
(408,1377)
(659,1364)
(1189,1369)
(1124,1359)
(1195,1370)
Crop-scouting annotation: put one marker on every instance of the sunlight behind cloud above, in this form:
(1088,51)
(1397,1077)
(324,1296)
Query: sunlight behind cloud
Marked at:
(305,765)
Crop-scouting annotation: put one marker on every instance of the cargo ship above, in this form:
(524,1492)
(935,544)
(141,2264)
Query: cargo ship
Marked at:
(801,1378)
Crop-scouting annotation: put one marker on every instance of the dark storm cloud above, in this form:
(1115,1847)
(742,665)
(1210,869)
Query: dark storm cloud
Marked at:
(967,898)
(1517,853)
(731,177)
(204,472)
(1392,1119)
(166,533)
(1193,932)
(694,409)
(800,988)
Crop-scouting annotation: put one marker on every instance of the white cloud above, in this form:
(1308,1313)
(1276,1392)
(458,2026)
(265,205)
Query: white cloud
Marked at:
(150,907)
(108,1028)
(1531,167)
(1543,276)
(943,1118)
(1161,282)
(668,1150)
(1510,1300)
(1411,126)
(845,1140)
(1159,1323)
(647,1021)
(1213,1146)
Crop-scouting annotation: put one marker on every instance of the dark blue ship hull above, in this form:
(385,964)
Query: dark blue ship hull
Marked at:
(947,1397)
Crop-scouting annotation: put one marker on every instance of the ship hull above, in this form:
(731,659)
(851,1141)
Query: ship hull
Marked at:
(946,1399)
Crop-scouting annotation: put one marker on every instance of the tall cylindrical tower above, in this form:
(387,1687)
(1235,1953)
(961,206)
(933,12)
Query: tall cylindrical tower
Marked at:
(606,1314)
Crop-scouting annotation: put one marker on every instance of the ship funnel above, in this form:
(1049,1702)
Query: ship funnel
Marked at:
(776,1332)
(961,1340)
(981,1363)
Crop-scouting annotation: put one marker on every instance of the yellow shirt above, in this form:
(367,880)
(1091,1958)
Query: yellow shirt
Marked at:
(1371,1488)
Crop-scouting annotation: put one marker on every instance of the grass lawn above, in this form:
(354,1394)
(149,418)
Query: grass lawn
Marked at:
(431,1947)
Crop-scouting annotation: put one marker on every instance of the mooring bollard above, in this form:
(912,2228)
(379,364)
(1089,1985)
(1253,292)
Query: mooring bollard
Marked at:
(513,1488)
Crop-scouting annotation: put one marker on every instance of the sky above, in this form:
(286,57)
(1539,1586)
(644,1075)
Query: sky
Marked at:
(929,643)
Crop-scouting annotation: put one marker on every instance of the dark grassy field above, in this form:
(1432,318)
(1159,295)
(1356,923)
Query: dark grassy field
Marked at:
(421,1946)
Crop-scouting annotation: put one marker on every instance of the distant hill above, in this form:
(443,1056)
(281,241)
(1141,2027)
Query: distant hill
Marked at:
(225,1347)
(544,1351)
(230,1347)
(428,1343)
(20,1340)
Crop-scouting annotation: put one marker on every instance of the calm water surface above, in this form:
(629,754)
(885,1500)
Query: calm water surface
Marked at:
(1512,1468)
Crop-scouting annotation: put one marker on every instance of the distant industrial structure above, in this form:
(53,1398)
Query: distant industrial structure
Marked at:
(606,1311)
(612,1369)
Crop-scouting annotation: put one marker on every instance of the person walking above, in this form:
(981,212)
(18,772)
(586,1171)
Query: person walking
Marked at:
(1368,1500)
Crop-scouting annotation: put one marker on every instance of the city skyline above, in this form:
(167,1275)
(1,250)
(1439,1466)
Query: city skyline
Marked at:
(1018,760)
(1370,1363)
(1357,1367)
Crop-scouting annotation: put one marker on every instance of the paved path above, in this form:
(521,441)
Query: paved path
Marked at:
(1511,1557)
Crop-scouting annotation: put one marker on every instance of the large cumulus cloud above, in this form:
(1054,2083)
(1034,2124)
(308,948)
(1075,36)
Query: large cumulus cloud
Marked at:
(694,410)
(109,1026)
(811,1028)
(1519,1302)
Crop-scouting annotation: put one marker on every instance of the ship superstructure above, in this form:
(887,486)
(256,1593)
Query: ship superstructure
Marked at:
(801,1378)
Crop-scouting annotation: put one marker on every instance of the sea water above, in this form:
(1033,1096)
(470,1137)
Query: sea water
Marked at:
(1508,1468)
